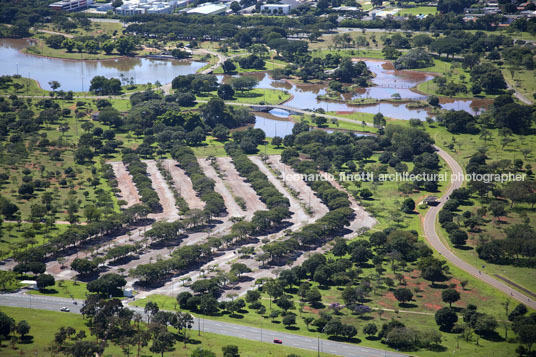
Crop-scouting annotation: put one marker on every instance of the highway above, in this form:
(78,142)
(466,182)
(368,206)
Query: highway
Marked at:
(212,326)
(437,244)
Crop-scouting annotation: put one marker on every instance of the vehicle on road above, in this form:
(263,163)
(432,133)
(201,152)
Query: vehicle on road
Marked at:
(65,309)
(278,341)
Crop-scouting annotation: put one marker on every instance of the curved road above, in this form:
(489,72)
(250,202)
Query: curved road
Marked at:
(437,244)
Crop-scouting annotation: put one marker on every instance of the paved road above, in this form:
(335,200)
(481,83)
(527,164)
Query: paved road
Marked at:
(218,327)
(437,244)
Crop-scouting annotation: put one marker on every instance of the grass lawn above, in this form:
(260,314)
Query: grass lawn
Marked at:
(213,147)
(365,53)
(67,180)
(419,10)
(259,96)
(453,72)
(523,81)
(31,87)
(42,49)
(15,237)
(66,289)
(44,324)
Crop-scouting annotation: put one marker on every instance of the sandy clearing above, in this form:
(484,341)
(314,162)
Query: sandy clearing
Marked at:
(305,194)
(233,209)
(128,190)
(167,200)
(239,187)
(183,184)
(298,214)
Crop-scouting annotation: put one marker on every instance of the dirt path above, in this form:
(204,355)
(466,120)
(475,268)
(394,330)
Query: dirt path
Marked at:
(305,194)
(183,184)
(362,218)
(298,213)
(167,200)
(129,193)
(233,209)
(239,187)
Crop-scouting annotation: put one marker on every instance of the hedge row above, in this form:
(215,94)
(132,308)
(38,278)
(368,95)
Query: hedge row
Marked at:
(143,183)
(204,186)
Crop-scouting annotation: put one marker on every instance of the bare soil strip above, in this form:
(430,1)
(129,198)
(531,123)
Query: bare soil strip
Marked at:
(305,194)
(239,187)
(232,207)
(129,193)
(362,218)
(167,200)
(183,184)
(296,208)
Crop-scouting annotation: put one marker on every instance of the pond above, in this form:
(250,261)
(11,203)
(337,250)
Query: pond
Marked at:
(76,75)
(388,82)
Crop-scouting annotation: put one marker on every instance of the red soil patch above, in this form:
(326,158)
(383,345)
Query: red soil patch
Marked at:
(345,112)
(385,305)
(390,296)
(310,309)
(434,307)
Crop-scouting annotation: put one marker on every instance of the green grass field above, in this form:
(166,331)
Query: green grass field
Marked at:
(523,81)
(30,87)
(66,289)
(419,10)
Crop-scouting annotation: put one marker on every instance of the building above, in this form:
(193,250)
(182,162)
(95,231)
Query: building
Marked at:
(139,7)
(208,9)
(29,284)
(70,5)
(275,9)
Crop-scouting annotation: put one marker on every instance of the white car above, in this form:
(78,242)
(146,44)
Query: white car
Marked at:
(65,309)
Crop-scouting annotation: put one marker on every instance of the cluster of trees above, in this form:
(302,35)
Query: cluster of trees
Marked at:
(414,58)
(101,85)
(517,248)
(11,330)
(308,67)
(204,186)
(77,234)
(123,45)
(182,258)
(138,171)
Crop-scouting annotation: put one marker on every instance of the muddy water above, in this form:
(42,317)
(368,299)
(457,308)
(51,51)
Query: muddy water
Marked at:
(76,75)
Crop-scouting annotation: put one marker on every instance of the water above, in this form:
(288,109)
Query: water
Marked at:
(273,125)
(388,81)
(76,75)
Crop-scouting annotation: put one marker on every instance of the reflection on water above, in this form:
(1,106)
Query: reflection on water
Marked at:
(272,125)
(76,75)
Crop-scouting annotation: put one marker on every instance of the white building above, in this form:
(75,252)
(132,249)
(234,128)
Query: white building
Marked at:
(138,7)
(208,9)
(70,5)
(275,9)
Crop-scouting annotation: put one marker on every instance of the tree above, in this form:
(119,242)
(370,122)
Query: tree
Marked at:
(162,342)
(23,328)
(446,318)
(201,352)
(370,329)
(226,92)
(54,85)
(45,280)
(83,266)
(230,351)
(432,269)
(450,295)
(244,83)
(379,120)
(277,141)
(403,295)
(408,206)
(6,278)
(7,324)
(124,45)
(289,320)
(108,284)
(220,132)
(458,237)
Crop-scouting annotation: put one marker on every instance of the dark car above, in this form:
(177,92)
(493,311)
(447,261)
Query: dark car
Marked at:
(278,341)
